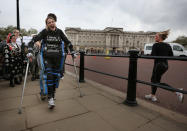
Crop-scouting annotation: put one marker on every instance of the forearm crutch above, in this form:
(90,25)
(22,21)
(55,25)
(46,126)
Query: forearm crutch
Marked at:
(23,88)
(75,68)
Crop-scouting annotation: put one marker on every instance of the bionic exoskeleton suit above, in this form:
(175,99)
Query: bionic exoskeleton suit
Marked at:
(51,58)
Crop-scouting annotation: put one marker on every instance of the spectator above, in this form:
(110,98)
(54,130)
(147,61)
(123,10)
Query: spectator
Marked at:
(13,57)
(17,36)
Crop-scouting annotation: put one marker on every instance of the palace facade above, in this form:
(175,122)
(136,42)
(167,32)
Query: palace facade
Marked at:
(110,39)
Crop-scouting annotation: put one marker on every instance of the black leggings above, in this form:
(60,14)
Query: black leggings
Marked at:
(158,70)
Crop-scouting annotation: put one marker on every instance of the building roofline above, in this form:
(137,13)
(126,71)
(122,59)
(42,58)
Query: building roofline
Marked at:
(109,30)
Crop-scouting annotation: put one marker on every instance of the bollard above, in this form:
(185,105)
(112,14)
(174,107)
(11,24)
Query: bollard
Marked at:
(132,77)
(81,70)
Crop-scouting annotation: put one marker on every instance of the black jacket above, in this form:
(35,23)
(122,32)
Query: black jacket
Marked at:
(50,37)
(161,49)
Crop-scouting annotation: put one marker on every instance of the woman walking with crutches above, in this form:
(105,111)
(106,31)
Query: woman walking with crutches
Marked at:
(52,48)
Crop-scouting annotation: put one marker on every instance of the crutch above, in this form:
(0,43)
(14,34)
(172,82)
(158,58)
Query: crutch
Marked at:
(81,95)
(23,88)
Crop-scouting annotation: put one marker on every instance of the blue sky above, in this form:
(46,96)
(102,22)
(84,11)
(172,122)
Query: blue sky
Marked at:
(132,15)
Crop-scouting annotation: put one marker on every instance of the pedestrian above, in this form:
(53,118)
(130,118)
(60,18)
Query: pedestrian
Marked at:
(21,44)
(160,48)
(53,54)
(17,36)
(34,65)
(12,54)
(1,58)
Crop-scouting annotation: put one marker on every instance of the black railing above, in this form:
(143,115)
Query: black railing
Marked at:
(132,73)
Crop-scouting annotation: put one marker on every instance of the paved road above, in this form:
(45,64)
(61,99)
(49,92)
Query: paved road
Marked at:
(100,109)
(176,76)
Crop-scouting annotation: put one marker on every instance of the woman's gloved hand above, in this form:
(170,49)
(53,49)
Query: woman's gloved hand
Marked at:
(73,54)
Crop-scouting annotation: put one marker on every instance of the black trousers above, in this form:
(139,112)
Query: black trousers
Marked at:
(34,68)
(158,70)
(63,69)
(52,66)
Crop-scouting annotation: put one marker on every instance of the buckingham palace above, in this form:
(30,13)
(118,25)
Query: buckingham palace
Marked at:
(110,39)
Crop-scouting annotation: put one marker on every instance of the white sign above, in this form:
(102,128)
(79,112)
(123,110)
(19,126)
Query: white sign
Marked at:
(27,39)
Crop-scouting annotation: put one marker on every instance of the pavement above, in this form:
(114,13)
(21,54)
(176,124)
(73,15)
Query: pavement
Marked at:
(100,109)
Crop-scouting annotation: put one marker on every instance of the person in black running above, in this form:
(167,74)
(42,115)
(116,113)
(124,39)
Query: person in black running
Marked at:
(52,46)
(160,48)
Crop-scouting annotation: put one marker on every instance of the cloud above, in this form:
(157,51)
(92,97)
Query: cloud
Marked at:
(132,15)
(158,13)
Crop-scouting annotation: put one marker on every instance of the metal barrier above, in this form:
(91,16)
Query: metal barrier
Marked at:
(132,73)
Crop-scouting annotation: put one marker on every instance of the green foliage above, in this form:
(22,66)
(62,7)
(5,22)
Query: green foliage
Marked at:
(4,31)
(182,40)
(32,31)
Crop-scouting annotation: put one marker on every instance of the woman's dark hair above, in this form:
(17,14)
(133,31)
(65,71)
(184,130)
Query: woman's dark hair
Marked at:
(53,16)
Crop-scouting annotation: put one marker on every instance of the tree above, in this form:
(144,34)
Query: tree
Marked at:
(4,31)
(32,31)
(23,32)
(182,40)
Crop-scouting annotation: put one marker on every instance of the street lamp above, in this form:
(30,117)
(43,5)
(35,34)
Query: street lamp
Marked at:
(18,22)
